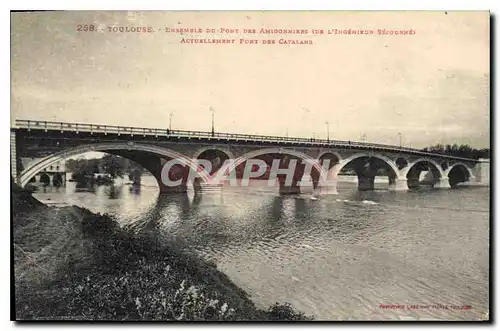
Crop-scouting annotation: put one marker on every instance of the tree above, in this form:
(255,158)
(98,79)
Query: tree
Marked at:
(465,151)
(83,170)
(113,165)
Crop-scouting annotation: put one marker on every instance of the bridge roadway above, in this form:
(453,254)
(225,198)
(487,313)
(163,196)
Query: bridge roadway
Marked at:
(47,142)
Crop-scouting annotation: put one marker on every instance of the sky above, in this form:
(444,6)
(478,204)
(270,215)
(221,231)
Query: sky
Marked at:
(431,86)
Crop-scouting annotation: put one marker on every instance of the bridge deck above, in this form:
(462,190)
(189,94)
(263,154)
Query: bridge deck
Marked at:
(155,132)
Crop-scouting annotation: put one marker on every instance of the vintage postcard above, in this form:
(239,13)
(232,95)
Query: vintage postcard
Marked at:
(250,165)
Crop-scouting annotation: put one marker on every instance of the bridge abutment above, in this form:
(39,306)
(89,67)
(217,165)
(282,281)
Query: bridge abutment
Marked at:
(482,172)
(13,155)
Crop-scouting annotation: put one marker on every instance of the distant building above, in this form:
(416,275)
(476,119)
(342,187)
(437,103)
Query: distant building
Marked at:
(55,173)
(60,166)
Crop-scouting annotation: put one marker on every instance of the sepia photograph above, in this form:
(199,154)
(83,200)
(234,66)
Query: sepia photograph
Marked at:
(253,166)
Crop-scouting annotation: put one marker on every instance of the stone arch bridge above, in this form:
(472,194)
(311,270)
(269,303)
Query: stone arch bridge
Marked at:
(49,142)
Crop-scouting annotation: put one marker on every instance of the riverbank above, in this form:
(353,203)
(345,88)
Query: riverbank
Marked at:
(72,264)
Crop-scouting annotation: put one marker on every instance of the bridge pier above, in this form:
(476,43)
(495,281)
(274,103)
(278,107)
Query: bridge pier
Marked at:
(292,188)
(413,182)
(398,184)
(328,185)
(197,186)
(329,189)
(200,187)
(289,189)
(442,183)
(306,184)
(172,189)
(366,183)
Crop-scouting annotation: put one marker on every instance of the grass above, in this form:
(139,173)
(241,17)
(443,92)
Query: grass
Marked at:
(70,263)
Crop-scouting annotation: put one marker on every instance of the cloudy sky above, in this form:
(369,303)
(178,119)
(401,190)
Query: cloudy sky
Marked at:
(432,86)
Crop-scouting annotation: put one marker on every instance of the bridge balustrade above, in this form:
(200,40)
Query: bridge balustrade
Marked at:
(113,129)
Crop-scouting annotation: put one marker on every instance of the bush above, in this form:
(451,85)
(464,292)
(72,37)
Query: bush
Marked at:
(285,312)
(73,264)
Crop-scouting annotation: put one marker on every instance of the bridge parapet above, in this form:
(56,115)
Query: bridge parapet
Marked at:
(97,129)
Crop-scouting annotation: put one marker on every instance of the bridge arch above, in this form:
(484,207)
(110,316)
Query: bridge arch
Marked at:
(276,150)
(412,172)
(217,155)
(317,172)
(404,172)
(323,155)
(224,150)
(382,157)
(469,170)
(366,172)
(43,163)
(330,151)
(401,162)
(458,172)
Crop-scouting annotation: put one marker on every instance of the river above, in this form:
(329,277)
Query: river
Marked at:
(339,257)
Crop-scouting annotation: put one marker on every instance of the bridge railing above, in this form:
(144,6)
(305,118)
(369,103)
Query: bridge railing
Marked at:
(114,129)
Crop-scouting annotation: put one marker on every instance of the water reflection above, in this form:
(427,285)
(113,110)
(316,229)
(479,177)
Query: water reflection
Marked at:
(113,192)
(135,189)
(339,256)
(276,208)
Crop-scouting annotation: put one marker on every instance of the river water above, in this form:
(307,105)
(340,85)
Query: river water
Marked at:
(338,257)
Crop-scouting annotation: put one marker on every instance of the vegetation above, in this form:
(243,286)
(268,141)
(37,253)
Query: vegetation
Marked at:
(72,264)
(113,166)
(465,151)
(135,176)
